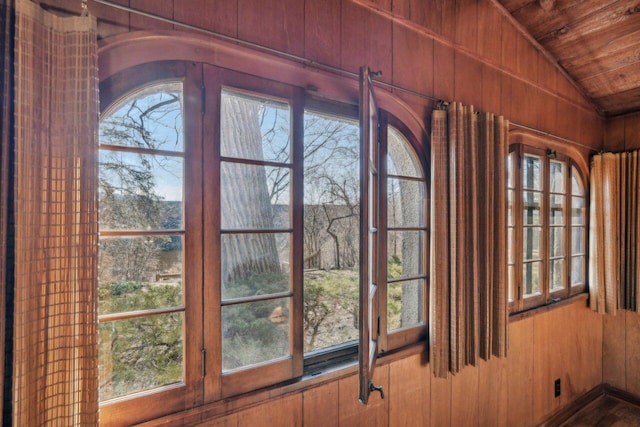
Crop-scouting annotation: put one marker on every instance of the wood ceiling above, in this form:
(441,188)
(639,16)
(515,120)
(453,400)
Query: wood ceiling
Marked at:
(597,42)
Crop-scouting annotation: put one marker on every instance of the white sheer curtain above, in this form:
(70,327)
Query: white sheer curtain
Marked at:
(56,118)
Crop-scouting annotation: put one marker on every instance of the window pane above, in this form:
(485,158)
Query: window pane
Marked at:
(254,264)
(531,207)
(139,273)
(254,333)
(510,245)
(151,118)
(511,178)
(331,230)
(401,159)
(512,281)
(577,240)
(330,307)
(577,210)
(531,243)
(577,270)
(532,271)
(404,304)
(254,197)
(556,274)
(531,173)
(139,191)
(577,189)
(404,249)
(139,354)
(555,241)
(510,217)
(556,210)
(254,128)
(404,203)
(556,177)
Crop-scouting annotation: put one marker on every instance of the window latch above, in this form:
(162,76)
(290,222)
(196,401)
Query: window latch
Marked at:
(373,387)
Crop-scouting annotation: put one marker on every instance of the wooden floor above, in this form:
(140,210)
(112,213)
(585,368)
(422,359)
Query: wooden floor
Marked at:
(606,411)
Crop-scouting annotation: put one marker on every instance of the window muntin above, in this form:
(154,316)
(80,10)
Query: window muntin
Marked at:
(140,280)
(551,231)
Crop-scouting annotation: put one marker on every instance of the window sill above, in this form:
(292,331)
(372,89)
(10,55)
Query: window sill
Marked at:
(575,299)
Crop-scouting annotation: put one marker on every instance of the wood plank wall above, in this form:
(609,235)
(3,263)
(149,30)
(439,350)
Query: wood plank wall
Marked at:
(563,343)
(462,50)
(621,344)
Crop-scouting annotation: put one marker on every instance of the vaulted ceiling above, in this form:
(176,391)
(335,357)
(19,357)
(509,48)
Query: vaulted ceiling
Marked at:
(597,42)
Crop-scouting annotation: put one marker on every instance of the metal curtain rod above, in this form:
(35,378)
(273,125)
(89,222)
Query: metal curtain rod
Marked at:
(305,61)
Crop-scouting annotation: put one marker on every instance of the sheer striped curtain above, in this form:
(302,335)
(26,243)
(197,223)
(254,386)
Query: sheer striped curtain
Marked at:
(468,238)
(614,235)
(56,121)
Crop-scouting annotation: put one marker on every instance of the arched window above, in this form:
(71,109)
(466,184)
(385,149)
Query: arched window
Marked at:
(547,226)
(230,221)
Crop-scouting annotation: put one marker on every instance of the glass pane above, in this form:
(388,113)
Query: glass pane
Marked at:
(512,281)
(510,244)
(331,230)
(139,354)
(404,203)
(254,264)
(556,177)
(577,210)
(254,128)
(254,333)
(253,197)
(151,118)
(531,243)
(577,270)
(556,274)
(555,241)
(531,207)
(401,159)
(532,271)
(531,173)
(404,304)
(510,218)
(556,210)
(577,240)
(331,301)
(511,178)
(139,191)
(577,189)
(405,249)
(139,273)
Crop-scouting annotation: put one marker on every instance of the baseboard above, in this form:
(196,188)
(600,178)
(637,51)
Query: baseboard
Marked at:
(622,395)
(568,411)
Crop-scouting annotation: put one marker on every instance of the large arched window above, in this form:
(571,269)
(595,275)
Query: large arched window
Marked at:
(230,249)
(547,226)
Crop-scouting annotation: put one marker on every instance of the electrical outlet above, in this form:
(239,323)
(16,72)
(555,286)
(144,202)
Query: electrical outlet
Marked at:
(556,388)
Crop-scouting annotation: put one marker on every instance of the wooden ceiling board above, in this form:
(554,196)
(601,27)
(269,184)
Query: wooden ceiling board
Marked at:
(597,43)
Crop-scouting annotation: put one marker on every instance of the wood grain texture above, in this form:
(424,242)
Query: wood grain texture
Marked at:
(632,132)
(322,36)
(468,80)
(409,390)
(520,366)
(443,71)
(464,398)
(632,352)
(375,413)
(440,405)
(491,90)
(215,15)
(426,13)
(489,32)
(412,60)
(111,21)
(466,34)
(163,8)
(508,45)
(614,139)
(288,413)
(320,405)
(493,394)
(277,24)
(366,40)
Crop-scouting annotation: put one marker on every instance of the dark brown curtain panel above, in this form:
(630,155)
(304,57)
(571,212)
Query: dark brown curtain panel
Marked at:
(614,233)
(468,238)
(56,121)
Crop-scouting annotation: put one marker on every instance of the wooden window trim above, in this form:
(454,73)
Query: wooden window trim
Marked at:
(547,149)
